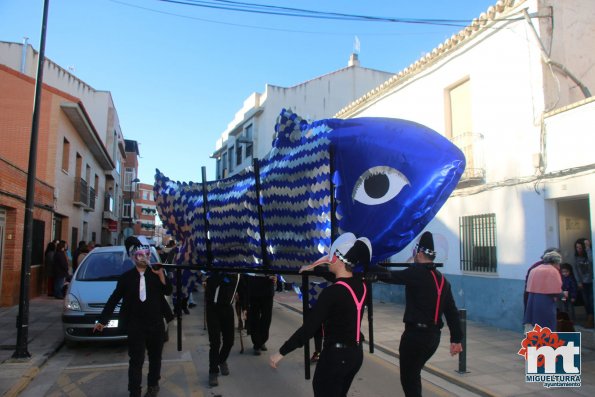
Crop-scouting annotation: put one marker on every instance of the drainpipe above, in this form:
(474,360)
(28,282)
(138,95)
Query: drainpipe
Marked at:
(24,54)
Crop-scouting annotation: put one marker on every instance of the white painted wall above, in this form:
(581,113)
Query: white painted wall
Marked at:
(511,91)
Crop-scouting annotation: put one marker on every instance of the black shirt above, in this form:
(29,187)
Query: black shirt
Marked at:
(221,289)
(336,311)
(421,294)
(151,311)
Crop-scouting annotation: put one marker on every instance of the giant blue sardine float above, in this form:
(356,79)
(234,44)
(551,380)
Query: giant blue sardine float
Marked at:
(391,177)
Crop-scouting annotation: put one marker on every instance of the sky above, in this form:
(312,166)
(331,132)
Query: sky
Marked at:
(178,73)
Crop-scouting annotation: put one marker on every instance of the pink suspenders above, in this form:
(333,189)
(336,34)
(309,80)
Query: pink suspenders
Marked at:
(439,290)
(358,305)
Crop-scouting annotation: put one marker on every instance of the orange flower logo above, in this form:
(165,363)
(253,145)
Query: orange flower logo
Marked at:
(540,337)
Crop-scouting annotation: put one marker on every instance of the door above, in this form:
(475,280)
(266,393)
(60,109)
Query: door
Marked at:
(2,228)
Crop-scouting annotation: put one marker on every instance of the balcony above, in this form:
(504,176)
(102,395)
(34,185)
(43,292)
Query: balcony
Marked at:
(472,146)
(81,193)
(91,206)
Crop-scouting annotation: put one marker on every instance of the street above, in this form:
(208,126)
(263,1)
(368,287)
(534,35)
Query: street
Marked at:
(101,369)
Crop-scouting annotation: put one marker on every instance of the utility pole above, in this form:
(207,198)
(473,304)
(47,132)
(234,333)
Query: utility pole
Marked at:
(23,317)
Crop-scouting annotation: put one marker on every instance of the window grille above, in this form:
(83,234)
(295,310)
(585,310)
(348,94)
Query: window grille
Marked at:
(478,243)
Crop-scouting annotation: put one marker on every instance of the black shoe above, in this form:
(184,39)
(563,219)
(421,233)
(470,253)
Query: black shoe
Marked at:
(224,369)
(191,305)
(263,348)
(256,351)
(213,380)
(152,391)
(185,310)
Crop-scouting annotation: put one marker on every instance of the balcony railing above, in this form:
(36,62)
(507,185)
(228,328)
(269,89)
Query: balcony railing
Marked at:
(81,193)
(84,195)
(471,144)
(91,206)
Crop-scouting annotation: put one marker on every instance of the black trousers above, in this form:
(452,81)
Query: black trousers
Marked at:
(335,370)
(141,337)
(220,324)
(416,347)
(260,314)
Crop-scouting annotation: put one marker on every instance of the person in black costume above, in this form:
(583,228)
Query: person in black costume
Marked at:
(141,290)
(221,289)
(261,289)
(340,310)
(428,296)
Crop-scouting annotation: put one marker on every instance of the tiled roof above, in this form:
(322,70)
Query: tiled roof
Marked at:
(455,41)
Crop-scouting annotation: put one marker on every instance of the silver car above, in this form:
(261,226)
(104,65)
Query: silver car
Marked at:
(91,286)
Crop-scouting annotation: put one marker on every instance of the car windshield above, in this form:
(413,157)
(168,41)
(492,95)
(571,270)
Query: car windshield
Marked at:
(105,266)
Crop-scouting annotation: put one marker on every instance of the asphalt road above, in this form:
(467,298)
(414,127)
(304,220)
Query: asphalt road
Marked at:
(101,369)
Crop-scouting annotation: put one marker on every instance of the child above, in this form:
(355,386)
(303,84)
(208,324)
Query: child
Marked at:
(569,290)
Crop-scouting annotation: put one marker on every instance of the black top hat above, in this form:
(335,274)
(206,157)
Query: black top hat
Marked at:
(426,244)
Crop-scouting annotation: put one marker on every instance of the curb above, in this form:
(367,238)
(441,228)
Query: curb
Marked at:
(30,374)
(428,367)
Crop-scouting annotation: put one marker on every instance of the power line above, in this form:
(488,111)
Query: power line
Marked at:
(304,13)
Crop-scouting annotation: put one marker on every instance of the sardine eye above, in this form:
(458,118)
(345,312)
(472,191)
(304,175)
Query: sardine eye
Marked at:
(378,185)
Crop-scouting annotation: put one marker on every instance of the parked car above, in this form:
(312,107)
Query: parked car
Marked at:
(91,286)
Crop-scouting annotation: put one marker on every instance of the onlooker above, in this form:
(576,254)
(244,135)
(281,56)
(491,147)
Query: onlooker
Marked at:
(60,269)
(48,261)
(533,266)
(75,256)
(569,290)
(82,252)
(583,271)
(544,287)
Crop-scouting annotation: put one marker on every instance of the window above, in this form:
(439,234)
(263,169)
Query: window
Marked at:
(126,211)
(96,186)
(238,154)
(248,135)
(478,243)
(37,242)
(459,109)
(65,155)
(224,171)
(128,178)
(230,158)
(79,166)
(459,128)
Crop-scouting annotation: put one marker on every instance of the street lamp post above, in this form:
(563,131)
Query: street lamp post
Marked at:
(21,350)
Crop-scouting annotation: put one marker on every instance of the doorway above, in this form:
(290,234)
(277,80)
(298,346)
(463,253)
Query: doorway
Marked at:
(574,222)
(2,229)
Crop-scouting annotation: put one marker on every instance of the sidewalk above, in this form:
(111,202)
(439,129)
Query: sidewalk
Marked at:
(45,338)
(494,368)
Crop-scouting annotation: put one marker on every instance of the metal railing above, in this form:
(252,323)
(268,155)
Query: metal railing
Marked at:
(472,146)
(81,192)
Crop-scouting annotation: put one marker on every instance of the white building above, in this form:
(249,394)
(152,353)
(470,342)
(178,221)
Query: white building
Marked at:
(251,131)
(512,91)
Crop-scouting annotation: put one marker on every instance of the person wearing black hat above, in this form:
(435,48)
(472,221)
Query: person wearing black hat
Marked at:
(428,295)
(141,290)
(340,310)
